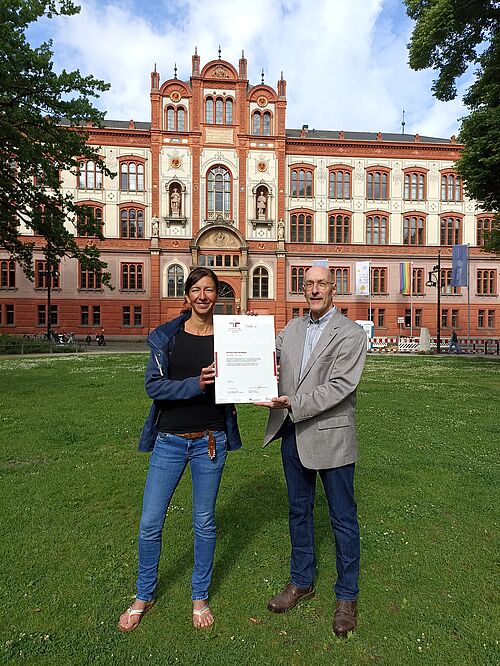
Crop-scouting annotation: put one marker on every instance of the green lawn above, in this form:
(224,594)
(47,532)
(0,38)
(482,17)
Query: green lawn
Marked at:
(71,487)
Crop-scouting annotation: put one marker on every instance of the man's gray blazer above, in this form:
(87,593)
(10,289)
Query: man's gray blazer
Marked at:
(323,401)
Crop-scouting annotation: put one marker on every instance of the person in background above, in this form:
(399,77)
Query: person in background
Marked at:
(184,427)
(321,360)
(454,344)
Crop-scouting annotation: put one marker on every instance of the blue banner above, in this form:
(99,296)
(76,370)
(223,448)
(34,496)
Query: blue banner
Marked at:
(459,259)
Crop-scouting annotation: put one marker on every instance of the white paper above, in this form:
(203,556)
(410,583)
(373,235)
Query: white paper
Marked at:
(245,358)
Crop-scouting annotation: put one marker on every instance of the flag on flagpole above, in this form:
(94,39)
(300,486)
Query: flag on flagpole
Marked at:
(405,278)
(459,261)
(362,278)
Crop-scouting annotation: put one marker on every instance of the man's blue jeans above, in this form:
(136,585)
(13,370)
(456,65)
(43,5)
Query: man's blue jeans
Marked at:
(339,489)
(169,459)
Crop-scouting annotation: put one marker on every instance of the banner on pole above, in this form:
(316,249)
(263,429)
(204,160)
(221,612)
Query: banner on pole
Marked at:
(405,278)
(362,278)
(459,259)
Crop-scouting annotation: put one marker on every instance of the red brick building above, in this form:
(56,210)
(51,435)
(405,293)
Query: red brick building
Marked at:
(216,179)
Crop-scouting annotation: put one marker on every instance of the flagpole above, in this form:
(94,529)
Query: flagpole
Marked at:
(411,299)
(370,290)
(468,291)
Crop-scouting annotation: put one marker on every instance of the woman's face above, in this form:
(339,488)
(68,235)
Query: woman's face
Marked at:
(202,296)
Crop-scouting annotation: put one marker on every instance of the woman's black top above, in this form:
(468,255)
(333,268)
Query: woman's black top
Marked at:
(189,355)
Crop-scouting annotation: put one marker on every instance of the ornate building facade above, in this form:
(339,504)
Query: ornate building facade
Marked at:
(215,179)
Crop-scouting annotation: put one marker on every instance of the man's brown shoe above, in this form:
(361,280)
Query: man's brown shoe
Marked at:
(345,617)
(290,597)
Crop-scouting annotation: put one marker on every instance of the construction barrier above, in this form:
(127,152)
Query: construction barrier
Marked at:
(488,346)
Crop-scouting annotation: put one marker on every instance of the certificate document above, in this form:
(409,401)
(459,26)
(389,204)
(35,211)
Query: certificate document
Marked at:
(245,358)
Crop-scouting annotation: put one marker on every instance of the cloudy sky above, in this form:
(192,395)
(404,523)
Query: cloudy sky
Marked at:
(345,61)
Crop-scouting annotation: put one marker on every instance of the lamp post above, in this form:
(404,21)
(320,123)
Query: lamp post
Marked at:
(434,280)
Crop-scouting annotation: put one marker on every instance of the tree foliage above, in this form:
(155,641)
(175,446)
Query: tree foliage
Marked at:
(42,120)
(449,36)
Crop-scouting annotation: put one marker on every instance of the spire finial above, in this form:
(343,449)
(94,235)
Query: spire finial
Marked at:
(242,53)
(175,70)
(219,52)
(196,50)
(262,76)
(155,68)
(282,75)
(403,123)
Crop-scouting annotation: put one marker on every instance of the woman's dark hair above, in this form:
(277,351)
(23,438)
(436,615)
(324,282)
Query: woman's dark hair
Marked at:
(199,273)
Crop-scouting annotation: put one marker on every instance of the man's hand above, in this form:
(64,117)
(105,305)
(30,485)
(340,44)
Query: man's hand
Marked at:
(207,376)
(283,402)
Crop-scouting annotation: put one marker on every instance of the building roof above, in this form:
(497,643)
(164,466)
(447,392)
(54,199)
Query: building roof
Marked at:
(361,136)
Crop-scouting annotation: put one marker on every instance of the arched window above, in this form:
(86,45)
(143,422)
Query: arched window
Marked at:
(262,123)
(82,220)
(89,176)
(260,283)
(341,279)
(209,110)
(170,118)
(451,231)
(486,282)
(219,111)
(131,222)
(377,184)
(484,224)
(229,111)
(131,176)
(301,228)
(175,281)
(415,189)
(219,191)
(451,187)
(7,274)
(413,230)
(298,273)
(301,182)
(340,184)
(376,230)
(181,120)
(339,228)
(256,123)
(379,280)
(266,123)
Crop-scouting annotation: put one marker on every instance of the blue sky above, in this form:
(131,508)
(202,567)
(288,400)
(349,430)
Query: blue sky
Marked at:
(345,61)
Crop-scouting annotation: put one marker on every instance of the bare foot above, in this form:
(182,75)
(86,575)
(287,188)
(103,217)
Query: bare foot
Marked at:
(130,619)
(202,615)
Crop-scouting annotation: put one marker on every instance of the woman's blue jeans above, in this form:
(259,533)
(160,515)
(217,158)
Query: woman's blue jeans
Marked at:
(169,459)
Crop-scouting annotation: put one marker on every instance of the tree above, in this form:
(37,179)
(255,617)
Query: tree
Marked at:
(42,121)
(450,35)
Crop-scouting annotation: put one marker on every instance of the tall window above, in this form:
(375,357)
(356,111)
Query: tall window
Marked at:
(486,282)
(484,224)
(341,279)
(83,220)
(261,123)
(418,317)
(379,280)
(131,222)
(451,187)
(219,191)
(413,230)
(454,318)
(446,287)
(42,315)
(418,281)
(377,184)
(219,111)
(41,275)
(175,281)
(90,315)
(89,175)
(339,184)
(260,283)
(377,230)
(415,186)
(381,318)
(175,118)
(131,176)
(451,231)
(297,279)
(339,228)
(7,274)
(132,275)
(90,279)
(9,314)
(301,183)
(444,319)
(301,228)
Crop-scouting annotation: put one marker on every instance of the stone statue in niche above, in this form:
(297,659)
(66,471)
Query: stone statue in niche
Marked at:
(155,227)
(175,202)
(281,229)
(261,205)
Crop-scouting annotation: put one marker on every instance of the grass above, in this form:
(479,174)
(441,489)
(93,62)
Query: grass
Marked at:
(71,487)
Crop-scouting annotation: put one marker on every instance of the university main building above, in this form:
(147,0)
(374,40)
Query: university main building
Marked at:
(215,179)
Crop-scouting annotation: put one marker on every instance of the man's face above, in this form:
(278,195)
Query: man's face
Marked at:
(319,291)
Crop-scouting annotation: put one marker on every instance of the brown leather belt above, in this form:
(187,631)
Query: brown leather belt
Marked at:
(197,435)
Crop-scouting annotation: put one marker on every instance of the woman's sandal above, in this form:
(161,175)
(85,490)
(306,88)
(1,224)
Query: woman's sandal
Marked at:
(199,614)
(137,613)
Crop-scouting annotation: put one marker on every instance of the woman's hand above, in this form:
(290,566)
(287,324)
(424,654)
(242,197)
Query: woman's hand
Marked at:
(207,376)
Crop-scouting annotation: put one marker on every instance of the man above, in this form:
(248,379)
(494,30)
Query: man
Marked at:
(321,359)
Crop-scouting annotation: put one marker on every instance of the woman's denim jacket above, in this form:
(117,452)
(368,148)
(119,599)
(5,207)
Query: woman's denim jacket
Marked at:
(160,387)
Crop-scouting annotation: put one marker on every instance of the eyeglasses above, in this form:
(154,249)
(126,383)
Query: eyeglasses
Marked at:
(321,285)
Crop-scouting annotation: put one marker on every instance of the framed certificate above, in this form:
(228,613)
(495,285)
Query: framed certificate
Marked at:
(245,358)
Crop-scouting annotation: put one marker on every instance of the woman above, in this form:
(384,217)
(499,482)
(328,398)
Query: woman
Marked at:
(184,426)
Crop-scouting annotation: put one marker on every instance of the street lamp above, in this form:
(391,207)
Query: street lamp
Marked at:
(434,280)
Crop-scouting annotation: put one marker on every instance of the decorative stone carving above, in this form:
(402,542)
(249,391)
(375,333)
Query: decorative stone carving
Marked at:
(281,229)
(220,72)
(175,203)
(261,206)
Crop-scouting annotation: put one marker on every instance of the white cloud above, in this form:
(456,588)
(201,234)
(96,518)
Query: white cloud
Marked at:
(345,61)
